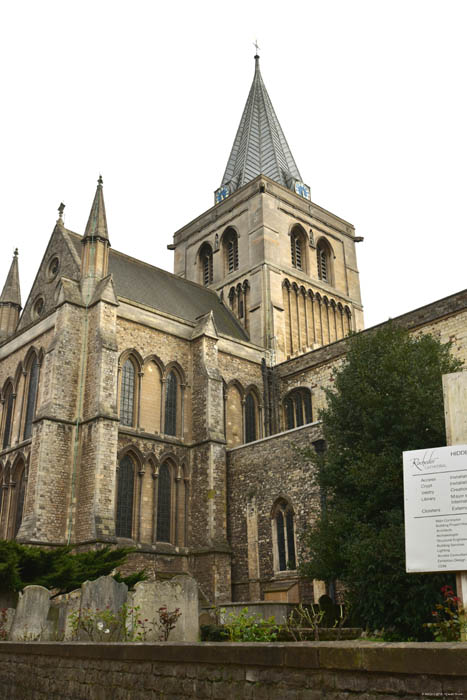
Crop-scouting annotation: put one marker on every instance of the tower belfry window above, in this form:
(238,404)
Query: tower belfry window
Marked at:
(323,255)
(205,258)
(296,250)
(231,250)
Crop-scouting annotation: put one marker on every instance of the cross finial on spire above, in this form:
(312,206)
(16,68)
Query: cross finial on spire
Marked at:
(16,253)
(100,181)
(256,47)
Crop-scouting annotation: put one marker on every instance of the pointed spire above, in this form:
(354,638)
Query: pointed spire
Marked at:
(97,222)
(260,145)
(11,291)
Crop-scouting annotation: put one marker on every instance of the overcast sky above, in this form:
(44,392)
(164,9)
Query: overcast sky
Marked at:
(371,97)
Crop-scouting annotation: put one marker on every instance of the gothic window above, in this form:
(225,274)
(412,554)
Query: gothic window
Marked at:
(205,258)
(284,536)
(32,396)
(323,254)
(250,418)
(20,493)
(231,250)
(171,404)
(125,497)
(297,408)
(127,394)
(8,411)
(297,248)
(164,504)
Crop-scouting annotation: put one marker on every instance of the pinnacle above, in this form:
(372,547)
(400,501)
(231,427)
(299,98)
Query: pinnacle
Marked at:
(97,222)
(11,291)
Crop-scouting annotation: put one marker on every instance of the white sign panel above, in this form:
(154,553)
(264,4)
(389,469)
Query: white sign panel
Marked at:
(435,496)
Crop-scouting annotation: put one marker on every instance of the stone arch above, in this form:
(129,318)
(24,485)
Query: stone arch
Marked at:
(229,243)
(298,247)
(324,260)
(151,394)
(283,534)
(205,261)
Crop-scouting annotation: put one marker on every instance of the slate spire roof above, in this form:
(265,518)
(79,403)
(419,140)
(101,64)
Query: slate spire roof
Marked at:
(260,145)
(11,291)
(97,222)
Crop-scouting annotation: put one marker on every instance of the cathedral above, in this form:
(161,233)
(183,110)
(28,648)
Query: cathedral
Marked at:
(168,412)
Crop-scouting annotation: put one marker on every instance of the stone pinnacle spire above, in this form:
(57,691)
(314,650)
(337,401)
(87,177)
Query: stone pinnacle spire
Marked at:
(11,291)
(10,301)
(97,222)
(260,145)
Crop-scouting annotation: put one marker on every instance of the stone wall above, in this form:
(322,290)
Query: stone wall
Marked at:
(258,475)
(308,670)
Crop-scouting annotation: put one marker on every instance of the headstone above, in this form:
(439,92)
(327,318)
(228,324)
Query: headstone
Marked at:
(104,592)
(64,605)
(179,592)
(30,620)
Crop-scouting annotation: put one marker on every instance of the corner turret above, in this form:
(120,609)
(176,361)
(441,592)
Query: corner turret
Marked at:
(10,301)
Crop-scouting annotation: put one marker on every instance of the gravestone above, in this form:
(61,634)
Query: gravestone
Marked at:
(104,592)
(30,620)
(179,592)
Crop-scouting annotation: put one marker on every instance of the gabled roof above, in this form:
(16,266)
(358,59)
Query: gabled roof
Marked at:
(150,286)
(260,146)
(11,293)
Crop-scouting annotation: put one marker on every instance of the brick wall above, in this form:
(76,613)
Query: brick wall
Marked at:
(307,670)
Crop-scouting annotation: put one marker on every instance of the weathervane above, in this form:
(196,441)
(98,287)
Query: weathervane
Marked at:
(256,46)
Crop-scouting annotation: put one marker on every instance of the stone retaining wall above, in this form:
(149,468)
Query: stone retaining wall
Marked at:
(301,671)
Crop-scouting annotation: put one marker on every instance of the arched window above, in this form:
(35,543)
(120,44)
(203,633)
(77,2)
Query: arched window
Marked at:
(230,243)
(8,412)
(205,259)
(297,408)
(297,248)
(127,394)
(250,418)
(164,504)
(171,404)
(20,493)
(323,254)
(284,536)
(125,497)
(32,396)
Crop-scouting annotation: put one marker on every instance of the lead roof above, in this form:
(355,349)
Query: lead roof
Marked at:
(260,146)
(158,289)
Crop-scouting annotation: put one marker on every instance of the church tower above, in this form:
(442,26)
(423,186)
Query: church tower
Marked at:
(10,301)
(285,266)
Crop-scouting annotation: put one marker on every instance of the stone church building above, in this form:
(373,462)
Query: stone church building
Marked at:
(164,411)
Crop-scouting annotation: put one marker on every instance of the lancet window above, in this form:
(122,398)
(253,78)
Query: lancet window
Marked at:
(127,394)
(250,418)
(164,504)
(171,391)
(284,536)
(32,396)
(205,258)
(323,254)
(125,497)
(231,250)
(8,412)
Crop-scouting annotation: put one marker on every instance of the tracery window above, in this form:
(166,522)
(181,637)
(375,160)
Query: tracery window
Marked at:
(164,504)
(283,523)
(7,424)
(171,404)
(127,394)
(323,254)
(250,418)
(205,257)
(125,497)
(231,250)
(297,408)
(32,396)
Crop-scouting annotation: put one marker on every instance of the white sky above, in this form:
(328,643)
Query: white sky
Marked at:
(371,96)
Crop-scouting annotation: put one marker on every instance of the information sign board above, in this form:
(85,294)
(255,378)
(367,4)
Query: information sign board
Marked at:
(435,499)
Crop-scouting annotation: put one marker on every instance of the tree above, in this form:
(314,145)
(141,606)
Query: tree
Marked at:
(57,567)
(387,399)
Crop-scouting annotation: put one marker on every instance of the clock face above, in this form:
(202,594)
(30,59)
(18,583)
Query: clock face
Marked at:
(222,193)
(302,190)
